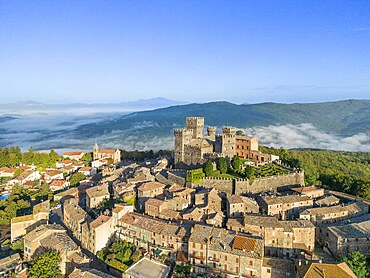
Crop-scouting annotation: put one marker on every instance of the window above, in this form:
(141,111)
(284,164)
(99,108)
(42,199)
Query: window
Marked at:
(268,270)
(251,263)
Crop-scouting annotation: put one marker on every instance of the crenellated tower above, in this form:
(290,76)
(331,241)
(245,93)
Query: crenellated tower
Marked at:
(196,124)
(183,137)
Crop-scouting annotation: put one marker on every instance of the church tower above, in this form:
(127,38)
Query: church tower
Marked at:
(96,151)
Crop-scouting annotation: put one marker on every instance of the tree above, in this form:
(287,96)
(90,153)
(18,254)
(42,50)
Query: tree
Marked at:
(222,165)
(235,162)
(357,263)
(53,158)
(46,265)
(17,246)
(249,173)
(87,158)
(240,133)
(76,178)
(44,191)
(208,168)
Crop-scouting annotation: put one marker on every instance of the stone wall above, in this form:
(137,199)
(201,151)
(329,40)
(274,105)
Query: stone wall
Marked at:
(239,186)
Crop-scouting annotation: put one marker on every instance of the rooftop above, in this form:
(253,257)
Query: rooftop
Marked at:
(148,268)
(100,221)
(97,191)
(59,241)
(354,228)
(274,200)
(320,270)
(152,185)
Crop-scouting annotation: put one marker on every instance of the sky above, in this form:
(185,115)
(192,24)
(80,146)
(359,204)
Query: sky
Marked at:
(194,51)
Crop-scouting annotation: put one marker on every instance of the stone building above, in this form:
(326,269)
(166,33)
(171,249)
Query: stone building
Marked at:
(281,238)
(347,236)
(285,207)
(217,251)
(193,147)
(21,225)
(115,155)
(96,195)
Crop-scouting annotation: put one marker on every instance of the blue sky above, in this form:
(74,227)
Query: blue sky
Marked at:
(240,51)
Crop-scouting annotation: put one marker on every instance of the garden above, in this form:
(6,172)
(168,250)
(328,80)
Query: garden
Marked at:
(120,254)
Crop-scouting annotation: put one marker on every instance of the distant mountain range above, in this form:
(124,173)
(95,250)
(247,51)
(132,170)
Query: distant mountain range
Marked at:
(137,105)
(343,118)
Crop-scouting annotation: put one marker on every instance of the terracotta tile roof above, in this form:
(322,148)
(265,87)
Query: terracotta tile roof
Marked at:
(52,173)
(320,270)
(84,169)
(42,229)
(170,214)
(107,151)
(244,243)
(175,188)
(25,168)
(100,221)
(154,202)
(58,183)
(72,153)
(152,185)
(327,201)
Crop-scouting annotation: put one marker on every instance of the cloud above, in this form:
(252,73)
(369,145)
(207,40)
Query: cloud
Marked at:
(307,136)
(60,132)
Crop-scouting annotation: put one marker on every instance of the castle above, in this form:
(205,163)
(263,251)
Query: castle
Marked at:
(193,147)
(115,155)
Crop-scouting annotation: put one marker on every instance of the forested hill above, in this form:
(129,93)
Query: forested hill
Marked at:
(347,172)
(344,118)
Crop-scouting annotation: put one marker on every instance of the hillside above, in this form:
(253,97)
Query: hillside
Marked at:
(344,118)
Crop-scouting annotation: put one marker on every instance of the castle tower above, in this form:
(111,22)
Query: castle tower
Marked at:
(196,124)
(182,138)
(211,132)
(225,142)
(96,151)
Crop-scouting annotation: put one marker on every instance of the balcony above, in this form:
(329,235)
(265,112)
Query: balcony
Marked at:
(213,259)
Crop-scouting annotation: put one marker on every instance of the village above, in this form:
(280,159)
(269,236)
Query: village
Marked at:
(214,207)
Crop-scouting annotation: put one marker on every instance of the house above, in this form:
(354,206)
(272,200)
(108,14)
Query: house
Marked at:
(62,196)
(73,155)
(326,215)
(96,195)
(346,236)
(143,230)
(234,206)
(11,266)
(77,165)
(74,217)
(215,251)
(149,190)
(285,207)
(309,191)
(99,163)
(281,238)
(6,172)
(64,163)
(58,185)
(319,270)
(178,204)
(24,177)
(87,171)
(54,237)
(194,214)
(21,225)
(154,207)
(53,175)
(96,234)
(327,201)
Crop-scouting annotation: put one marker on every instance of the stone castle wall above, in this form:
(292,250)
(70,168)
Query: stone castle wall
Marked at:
(239,186)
